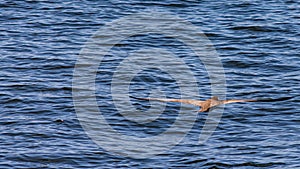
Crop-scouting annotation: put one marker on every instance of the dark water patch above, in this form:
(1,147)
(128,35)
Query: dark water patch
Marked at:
(255,28)
(246,164)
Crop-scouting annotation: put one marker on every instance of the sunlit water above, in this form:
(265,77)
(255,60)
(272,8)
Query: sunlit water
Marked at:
(258,43)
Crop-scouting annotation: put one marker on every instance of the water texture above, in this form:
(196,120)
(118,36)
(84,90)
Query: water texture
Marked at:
(258,43)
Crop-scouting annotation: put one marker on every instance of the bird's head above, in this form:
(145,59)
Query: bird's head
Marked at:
(215,98)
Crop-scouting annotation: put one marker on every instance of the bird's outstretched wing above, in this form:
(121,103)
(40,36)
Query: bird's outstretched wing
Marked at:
(186,101)
(235,101)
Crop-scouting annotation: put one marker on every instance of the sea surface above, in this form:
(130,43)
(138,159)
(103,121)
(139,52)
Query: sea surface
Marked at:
(257,42)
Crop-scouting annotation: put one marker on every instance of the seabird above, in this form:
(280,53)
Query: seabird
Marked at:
(205,105)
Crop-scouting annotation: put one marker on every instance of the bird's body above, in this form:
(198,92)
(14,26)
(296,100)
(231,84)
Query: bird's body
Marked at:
(205,105)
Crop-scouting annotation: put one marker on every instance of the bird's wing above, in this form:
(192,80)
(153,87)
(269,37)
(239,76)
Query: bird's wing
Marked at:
(235,101)
(186,101)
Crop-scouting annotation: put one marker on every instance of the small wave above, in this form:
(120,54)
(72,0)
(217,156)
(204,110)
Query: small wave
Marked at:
(245,164)
(255,28)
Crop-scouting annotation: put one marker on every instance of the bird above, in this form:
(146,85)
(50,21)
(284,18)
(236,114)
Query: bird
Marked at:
(205,105)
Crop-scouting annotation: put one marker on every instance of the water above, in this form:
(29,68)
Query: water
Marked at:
(258,43)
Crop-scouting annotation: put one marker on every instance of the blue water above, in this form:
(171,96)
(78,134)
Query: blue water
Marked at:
(258,43)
